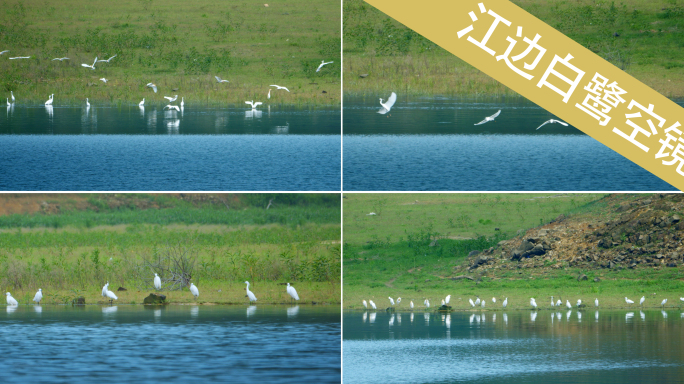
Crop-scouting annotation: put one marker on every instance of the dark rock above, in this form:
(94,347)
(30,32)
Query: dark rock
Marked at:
(525,246)
(676,219)
(122,289)
(389,310)
(582,277)
(444,308)
(175,89)
(363,76)
(78,301)
(479,261)
(612,265)
(596,279)
(473,253)
(154,298)
(324,92)
(672,265)
(538,250)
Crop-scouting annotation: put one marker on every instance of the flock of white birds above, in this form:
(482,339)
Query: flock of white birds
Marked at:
(482,303)
(48,103)
(157,285)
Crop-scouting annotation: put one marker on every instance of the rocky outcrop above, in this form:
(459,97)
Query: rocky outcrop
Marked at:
(154,299)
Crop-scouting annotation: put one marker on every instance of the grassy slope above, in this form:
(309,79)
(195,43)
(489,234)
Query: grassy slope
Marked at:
(180,45)
(649,47)
(74,252)
(378,263)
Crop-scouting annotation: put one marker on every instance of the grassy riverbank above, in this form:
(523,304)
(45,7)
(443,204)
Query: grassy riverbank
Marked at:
(70,245)
(179,47)
(649,47)
(426,246)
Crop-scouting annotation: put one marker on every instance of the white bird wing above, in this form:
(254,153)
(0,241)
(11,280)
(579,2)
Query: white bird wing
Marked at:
(482,122)
(250,103)
(561,122)
(495,115)
(3,52)
(85,65)
(258,103)
(111,58)
(56,59)
(154,87)
(544,123)
(218,79)
(94,62)
(169,98)
(392,99)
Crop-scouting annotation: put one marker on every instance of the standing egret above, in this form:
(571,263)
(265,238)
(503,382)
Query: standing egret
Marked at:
(10,300)
(505,303)
(182,102)
(269,94)
(218,79)
(387,105)
(8,103)
(87,103)
(111,297)
(104,289)
(471,303)
(39,296)
(253,104)
(195,291)
(391,301)
(596,302)
(157,281)
(411,304)
(372,304)
(142,103)
(322,64)
(171,99)
(641,301)
(154,87)
(489,118)
(443,303)
(552,121)
(552,303)
(249,293)
(559,303)
(477,302)
(567,304)
(447,299)
(427,303)
(292,292)
(49,102)
(533,302)
(493,299)
(365,304)
(90,66)
(482,303)
(628,301)
(279,87)
(662,303)
(398,300)
(12,93)
(579,302)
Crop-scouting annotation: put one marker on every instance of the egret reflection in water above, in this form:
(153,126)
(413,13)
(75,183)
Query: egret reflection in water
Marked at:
(109,310)
(292,311)
(251,310)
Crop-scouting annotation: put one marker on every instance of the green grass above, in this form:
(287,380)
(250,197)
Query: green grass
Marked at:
(649,47)
(179,45)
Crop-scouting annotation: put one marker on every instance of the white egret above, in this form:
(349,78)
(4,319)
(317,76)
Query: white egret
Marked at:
(482,304)
(107,61)
(87,103)
(90,66)
(142,103)
(391,301)
(662,303)
(3,52)
(411,304)
(292,292)
(104,289)
(8,103)
(477,302)
(443,303)
(533,302)
(471,303)
(269,94)
(681,298)
(427,303)
(322,64)
(641,301)
(387,105)
(157,281)
(365,304)
(559,303)
(552,303)
(505,303)
(12,93)
(171,99)
(552,121)
(103,80)
(628,301)
(489,118)
(20,57)
(169,106)
(371,214)
(182,102)
(253,104)
(398,300)
(493,299)
(49,102)
(567,304)
(372,304)
(60,58)
(39,296)
(579,302)
(596,302)
(249,293)
(111,297)
(154,87)
(447,299)
(10,300)
(218,79)
(278,87)
(195,291)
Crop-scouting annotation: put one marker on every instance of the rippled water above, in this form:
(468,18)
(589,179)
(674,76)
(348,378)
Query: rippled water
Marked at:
(200,344)
(107,148)
(514,347)
(433,144)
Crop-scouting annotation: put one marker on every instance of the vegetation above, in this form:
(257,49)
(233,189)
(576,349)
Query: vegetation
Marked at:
(179,47)
(297,243)
(648,47)
(418,249)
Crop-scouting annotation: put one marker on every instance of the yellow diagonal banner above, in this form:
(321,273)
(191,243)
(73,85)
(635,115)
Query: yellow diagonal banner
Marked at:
(553,71)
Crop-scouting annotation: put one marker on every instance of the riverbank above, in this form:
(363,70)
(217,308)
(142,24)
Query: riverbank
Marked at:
(180,50)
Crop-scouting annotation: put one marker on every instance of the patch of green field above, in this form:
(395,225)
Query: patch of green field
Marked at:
(175,46)
(649,47)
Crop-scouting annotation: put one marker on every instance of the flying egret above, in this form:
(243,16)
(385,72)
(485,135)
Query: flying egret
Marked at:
(39,296)
(371,214)
(111,297)
(157,281)
(489,118)
(218,79)
(249,293)
(87,103)
(292,292)
(20,57)
(387,105)
(195,291)
(253,104)
(12,93)
(169,106)
(505,303)
(182,102)
(471,303)
(662,303)
(579,302)
(154,87)
(322,64)
(567,304)
(10,300)
(103,80)
(551,121)
(90,66)
(372,304)
(596,302)
(477,302)
(533,302)
(171,99)
(278,87)
(628,301)
(104,289)
(3,52)
(365,304)
(447,299)
(641,301)
(391,301)
(107,61)
(142,103)
(49,102)
(61,58)
(411,304)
